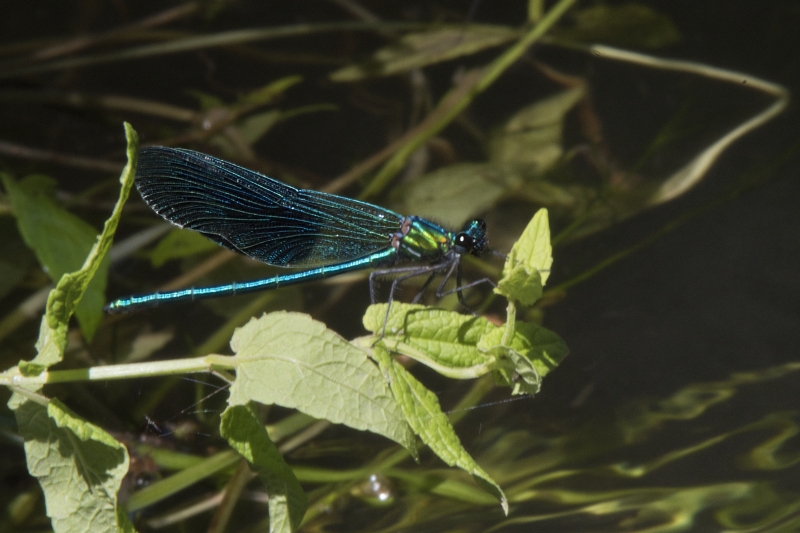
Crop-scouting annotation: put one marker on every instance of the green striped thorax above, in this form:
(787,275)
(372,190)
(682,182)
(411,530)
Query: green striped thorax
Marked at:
(422,240)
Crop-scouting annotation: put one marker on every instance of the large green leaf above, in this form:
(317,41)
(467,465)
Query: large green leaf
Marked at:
(291,360)
(522,363)
(79,466)
(443,340)
(464,347)
(425,416)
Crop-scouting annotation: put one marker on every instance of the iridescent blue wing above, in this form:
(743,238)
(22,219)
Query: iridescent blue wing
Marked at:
(259,216)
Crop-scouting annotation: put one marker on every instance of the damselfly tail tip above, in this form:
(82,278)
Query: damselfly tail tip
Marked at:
(114,308)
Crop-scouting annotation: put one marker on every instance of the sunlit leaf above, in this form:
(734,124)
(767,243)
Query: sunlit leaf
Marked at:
(425,416)
(245,434)
(79,466)
(418,50)
(632,25)
(180,243)
(456,193)
(291,360)
(464,347)
(521,284)
(444,340)
(527,265)
(539,345)
(532,353)
(72,287)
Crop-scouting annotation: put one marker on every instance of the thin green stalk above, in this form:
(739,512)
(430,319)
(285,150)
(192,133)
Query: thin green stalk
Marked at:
(185,478)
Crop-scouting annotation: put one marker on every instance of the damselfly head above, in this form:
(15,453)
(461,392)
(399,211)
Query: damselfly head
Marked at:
(471,239)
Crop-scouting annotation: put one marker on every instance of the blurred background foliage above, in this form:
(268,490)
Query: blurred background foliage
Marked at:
(673,412)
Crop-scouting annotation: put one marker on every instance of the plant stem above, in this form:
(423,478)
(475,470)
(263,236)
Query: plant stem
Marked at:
(207,363)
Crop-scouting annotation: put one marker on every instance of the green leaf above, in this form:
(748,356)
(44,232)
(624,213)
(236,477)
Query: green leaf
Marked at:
(287,501)
(72,288)
(417,50)
(456,193)
(180,243)
(291,360)
(59,239)
(79,466)
(542,347)
(425,416)
(446,341)
(527,266)
(628,25)
(519,374)
(521,284)
(464,347)
(62,243)
(533,136)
